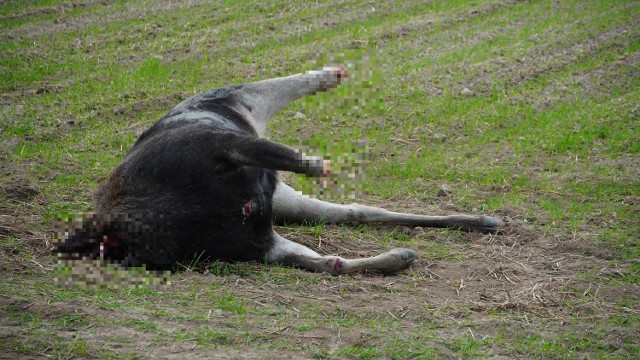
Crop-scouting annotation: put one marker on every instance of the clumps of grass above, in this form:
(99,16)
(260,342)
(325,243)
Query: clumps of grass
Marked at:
(70,321)
(205,336)
(358,352)
(200,264)
(98,274)
(141,325)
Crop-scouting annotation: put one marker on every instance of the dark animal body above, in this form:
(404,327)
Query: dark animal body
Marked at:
(201,183)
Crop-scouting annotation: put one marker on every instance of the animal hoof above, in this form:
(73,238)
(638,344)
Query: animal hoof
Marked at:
(491,224)
(410,255)
(402,258)
(339,71)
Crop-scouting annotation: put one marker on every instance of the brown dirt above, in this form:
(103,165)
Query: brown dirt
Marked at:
(519,270)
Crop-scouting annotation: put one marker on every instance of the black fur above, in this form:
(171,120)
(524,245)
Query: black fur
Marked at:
(189,187)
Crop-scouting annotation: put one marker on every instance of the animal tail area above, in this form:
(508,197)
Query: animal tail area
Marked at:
(124,239)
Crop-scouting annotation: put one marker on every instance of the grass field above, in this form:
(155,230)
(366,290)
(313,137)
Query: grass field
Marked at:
(546,136)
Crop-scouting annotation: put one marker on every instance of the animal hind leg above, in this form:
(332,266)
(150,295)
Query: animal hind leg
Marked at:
(288,252)
(265,98)
(290,205)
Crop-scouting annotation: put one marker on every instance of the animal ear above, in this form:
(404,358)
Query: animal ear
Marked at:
(78,239)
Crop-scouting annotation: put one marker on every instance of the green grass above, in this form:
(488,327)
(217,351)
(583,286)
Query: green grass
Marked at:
(548,140)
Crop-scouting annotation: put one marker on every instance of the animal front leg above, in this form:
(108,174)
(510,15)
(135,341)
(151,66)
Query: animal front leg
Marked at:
(287,252)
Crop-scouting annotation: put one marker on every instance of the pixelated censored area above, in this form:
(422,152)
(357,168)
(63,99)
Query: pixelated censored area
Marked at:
(359,90)
(101,274)
(358,94)
(103,250)
(343,170)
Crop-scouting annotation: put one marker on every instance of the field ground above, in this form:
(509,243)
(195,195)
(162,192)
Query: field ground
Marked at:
(546,136)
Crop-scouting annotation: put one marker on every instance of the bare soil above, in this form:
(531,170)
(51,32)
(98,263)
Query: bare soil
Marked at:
(516,281)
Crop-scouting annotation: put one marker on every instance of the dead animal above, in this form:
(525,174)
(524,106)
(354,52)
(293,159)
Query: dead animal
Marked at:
(202,180)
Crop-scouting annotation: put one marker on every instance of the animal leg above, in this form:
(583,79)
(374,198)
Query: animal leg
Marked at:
(264,98)
(259,152)
(291,205)
(290,253)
